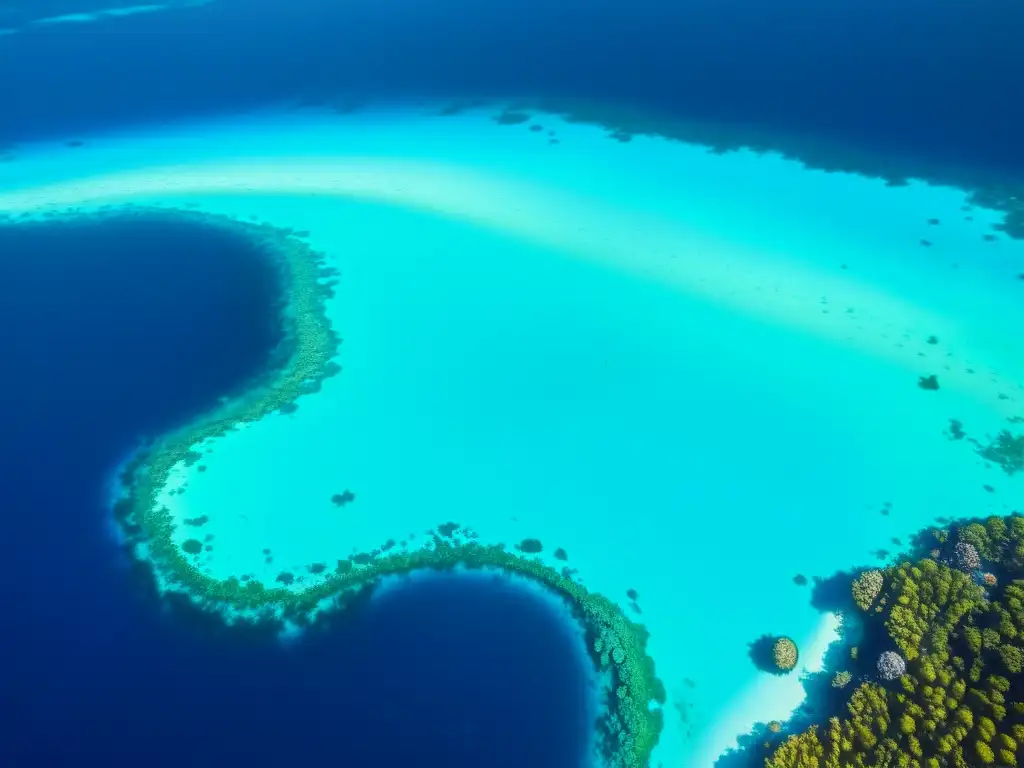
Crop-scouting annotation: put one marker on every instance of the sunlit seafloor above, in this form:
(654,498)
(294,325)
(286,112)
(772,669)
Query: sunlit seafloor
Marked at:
(697,375)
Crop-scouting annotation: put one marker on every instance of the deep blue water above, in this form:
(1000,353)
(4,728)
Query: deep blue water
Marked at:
(938,79)
(117,330)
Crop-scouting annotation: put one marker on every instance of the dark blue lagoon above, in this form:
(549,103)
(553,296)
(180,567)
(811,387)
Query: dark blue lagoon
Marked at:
(120,327)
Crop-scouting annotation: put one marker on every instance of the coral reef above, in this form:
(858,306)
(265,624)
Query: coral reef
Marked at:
(511,117)
(343,498)
(947,690)
(530,546)
(1006,450)
(447,529)
(192,546)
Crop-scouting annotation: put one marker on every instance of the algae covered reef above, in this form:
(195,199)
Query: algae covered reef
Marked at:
(938,672)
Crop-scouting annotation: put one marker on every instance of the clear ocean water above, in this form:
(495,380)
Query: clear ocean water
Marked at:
(696,372)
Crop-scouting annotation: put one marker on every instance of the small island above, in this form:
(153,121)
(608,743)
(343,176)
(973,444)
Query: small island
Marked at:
(937,677)
(777,655)
(785,654)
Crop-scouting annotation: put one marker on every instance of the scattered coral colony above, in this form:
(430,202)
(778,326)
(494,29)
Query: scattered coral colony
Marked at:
(939,670)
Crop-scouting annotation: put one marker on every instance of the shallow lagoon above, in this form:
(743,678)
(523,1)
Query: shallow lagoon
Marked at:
(696,373)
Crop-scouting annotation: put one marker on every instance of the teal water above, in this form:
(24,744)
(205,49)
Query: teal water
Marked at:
(697,374)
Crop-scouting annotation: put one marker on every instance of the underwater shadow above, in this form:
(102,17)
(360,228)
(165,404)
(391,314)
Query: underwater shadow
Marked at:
(761,654)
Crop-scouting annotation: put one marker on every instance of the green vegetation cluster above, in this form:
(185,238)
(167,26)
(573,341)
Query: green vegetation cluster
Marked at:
(866,589)
(784,654)
(842,679)
(960,702)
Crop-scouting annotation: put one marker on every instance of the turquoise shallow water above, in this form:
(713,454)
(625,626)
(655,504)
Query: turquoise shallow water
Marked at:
(695,373)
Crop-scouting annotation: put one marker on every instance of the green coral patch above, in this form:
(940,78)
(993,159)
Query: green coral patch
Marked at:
(192,546)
